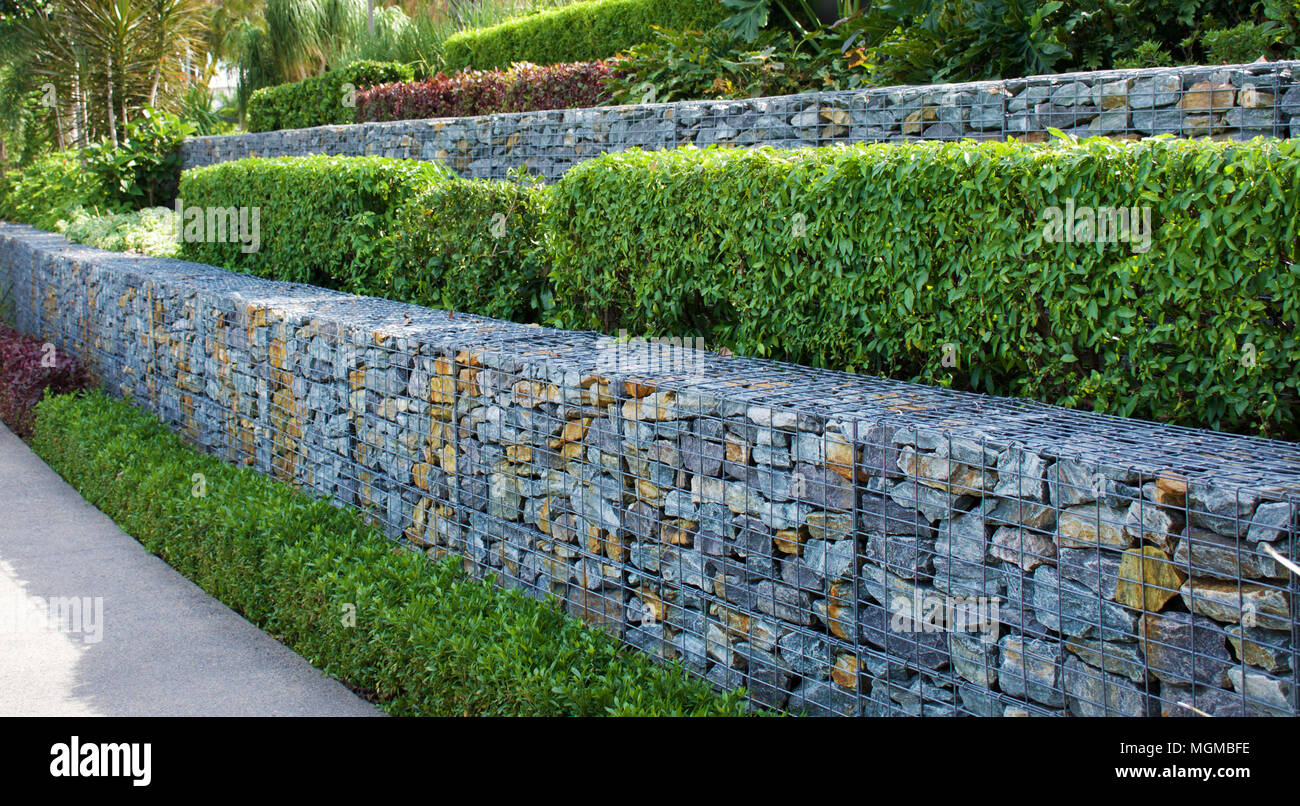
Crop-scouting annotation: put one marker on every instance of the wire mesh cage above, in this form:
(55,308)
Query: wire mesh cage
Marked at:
(1234,102)
(836,544)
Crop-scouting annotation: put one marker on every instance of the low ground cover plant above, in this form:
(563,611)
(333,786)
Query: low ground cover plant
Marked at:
(151,231)
(28,370)
(427,639)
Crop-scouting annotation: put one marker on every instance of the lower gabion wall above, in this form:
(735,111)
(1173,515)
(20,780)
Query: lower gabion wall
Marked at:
(837,544)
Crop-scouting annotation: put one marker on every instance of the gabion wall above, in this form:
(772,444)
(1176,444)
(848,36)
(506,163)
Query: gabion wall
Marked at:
(1238,102)
(838,544)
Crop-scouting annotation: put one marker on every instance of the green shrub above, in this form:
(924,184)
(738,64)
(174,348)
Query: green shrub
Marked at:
(143,171)
(427,639)
(719,63)
(1242,43)
(323,220)
(321,100)
(49,189)
(908,247)
(577,33)
(151,231)
(472,245)
(1146,54)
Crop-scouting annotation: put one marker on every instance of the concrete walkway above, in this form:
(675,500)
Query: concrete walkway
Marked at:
(93,624)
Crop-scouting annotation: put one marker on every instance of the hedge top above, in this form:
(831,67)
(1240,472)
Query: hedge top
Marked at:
(585,31)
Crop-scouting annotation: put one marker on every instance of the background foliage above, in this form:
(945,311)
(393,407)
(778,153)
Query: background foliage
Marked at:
(520,88)
(319,101)
(49,189)
(584,31)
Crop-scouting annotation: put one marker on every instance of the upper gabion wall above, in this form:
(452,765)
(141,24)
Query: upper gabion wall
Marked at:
(1238,102)
(838,544)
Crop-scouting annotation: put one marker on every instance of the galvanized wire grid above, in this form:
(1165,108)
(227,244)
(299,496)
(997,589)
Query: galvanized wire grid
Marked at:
(1223,103)
(836,544)
(1234,102)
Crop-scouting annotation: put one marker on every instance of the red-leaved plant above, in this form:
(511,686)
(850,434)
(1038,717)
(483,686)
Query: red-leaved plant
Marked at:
(27,368)
(522,88)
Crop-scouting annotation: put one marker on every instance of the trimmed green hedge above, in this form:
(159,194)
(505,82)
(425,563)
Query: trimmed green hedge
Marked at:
(473,245)
(321,100)
(577,33)
(910,247)
(323,220)
(427,639)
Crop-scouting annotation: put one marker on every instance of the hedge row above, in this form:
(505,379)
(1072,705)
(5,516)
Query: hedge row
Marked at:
(579,32)
(521,88)
(28,369)
(364,225)
(472,245)
(321,100)
(872,258)
(321,220)
(427,639)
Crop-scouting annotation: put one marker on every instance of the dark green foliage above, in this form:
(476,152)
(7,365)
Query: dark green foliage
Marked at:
(47,190)
(427,639)
(144,170)
(472,245)
(323,220)
(718,63)
(321,100)
(924,41)
(909,247)
(580,32)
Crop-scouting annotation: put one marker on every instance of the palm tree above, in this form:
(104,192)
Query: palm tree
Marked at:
(108,58)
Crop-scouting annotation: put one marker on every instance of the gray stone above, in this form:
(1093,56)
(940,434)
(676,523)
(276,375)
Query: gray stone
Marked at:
(1158,121)
(1161,90)
(1271,522)
(1031,669)
(1182,648)
(1220,508)
(819,698)
(1073,610)
(904,555)
(1092,692)
(1208,553)
(783,602)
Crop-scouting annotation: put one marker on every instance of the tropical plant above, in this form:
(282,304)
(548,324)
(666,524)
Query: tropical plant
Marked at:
(144,170)
(98,62)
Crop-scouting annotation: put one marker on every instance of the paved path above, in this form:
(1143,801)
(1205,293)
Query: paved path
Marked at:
(146,641)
